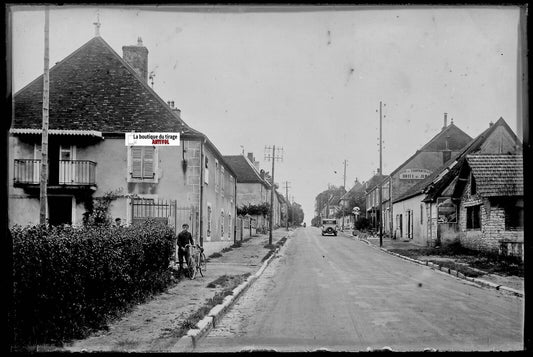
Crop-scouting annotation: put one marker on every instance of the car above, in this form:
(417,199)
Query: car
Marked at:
(329,226)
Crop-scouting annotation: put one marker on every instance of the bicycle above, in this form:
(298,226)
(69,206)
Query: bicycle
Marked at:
(197,262)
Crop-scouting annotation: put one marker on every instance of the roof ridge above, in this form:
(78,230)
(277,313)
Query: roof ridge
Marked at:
(145,84)
(438,135)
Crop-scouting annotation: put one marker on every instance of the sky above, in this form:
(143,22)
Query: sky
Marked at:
(307,79)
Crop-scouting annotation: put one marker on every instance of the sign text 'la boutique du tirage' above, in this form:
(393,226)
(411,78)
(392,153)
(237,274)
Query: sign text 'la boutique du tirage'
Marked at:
(152,139)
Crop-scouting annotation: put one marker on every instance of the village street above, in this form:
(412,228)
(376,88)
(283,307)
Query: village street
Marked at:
(338,293)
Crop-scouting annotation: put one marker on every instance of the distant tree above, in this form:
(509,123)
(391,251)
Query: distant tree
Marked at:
(332,195)
(296,214)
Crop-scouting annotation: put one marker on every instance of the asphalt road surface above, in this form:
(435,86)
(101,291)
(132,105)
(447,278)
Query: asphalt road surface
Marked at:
(339,294)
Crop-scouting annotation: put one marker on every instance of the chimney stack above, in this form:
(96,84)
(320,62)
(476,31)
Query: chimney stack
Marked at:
(445,121)
(137,57)
(251,157)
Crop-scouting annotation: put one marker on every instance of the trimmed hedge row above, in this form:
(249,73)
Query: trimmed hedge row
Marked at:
(68,281)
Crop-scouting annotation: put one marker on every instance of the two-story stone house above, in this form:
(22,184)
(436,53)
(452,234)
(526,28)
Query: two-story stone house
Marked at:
(443,146)
(475,198)
(96,97)
(252,188)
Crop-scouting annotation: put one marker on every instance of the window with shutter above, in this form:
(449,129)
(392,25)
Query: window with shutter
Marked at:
(136,162)
(143,162)
(148,162)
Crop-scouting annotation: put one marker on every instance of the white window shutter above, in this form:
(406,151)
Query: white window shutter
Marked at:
(136,162)
(148,162)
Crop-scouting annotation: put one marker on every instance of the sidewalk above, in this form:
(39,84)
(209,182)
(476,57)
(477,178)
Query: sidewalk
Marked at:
(510,283)
(149,327)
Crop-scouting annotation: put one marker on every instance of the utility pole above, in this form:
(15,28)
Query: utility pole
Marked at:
(344,185)
(44,138)
(275,156)
(380,180)
(288,203)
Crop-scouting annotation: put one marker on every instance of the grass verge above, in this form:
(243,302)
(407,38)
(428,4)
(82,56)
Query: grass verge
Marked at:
(272,248)
(463,260)
(228,283)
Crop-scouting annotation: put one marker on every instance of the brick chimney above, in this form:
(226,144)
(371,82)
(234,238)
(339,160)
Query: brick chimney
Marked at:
(177,111)
(251,157)
(445,121)
(137,57)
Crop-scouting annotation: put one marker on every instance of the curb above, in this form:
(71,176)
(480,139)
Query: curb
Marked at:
(449,271)
(189,342)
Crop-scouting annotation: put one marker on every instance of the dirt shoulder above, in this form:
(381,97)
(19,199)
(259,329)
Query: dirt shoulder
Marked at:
(504,272)
(155,325)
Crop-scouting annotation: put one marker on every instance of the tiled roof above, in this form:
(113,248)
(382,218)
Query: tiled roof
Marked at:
(457,139)
(497,175)
(245,172)
(439,179)
(374,181)
(95,89)
(281,198)
(351,193)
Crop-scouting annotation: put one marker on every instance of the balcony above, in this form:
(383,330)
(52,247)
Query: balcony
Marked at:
(62,173)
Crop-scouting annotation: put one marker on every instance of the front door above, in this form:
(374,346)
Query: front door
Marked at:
(60,210)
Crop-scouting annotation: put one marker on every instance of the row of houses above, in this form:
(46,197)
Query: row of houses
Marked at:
(455,189)
(96,97)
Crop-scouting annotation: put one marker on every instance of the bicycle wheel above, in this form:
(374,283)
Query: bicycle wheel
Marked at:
(192,269)
(202,264)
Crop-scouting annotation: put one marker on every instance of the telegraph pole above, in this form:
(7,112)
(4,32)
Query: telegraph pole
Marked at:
(344,185)
(288,203)
(275,156)
(380,180)
(44,138)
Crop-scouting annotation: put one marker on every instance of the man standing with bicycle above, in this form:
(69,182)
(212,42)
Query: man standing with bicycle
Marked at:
(184,238)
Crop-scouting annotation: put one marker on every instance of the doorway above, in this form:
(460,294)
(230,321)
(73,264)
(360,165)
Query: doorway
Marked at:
(59,210)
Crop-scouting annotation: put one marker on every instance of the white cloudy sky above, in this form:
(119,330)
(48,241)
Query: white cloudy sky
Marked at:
(308,81)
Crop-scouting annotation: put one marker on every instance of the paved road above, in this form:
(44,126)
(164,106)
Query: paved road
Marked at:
(338,293)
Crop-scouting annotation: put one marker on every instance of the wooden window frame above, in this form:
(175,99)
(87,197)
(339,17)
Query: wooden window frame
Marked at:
(143,177)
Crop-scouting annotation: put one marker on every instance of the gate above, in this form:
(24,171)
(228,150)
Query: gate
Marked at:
(143,209)
(187,215)
(166,211)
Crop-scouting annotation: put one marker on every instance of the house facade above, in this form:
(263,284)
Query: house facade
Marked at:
(441,148)
(96,97)
(345,202)
(373,212)
(445,208)
(252,188)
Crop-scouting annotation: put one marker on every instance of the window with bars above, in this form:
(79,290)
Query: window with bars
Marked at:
(143,162)
(473,217)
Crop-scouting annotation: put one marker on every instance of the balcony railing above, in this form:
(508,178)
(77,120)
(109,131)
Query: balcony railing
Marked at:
(69,172)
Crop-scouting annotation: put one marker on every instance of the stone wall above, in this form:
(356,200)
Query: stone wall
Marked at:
(492,233)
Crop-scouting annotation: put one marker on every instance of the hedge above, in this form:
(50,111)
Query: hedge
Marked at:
(69,281)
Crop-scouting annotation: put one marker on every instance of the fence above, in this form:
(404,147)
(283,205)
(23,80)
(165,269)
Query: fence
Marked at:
(166,211)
